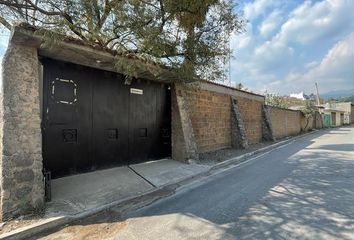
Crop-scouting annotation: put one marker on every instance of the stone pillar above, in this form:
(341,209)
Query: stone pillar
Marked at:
(184,147)
(238,132)
(267,130)
(21,178)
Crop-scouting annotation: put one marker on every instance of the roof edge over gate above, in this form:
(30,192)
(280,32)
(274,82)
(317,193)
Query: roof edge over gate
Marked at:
(75,51)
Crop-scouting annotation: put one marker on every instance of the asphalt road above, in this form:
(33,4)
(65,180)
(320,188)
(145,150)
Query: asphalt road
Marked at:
(303,190)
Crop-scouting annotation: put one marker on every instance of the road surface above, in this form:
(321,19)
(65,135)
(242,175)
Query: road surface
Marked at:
(303,190)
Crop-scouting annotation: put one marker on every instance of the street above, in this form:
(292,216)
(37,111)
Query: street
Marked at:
(302,190)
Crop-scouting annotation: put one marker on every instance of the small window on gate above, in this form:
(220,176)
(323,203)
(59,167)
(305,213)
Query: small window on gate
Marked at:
(69,135)
(112,134)
(143,132)
(64,91)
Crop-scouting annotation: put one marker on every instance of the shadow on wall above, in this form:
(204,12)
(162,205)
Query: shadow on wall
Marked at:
(294,194)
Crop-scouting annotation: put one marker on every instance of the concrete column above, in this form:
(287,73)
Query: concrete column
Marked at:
(21,178)
(184,146)
(238,132)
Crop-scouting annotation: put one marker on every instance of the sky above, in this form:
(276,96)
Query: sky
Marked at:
(291,44)
(4,38)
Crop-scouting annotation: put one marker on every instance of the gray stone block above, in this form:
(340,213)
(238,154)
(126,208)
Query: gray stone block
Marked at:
(22,192)
(26,175)
(21,177)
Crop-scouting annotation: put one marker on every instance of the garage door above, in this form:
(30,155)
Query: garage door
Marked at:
(92,120)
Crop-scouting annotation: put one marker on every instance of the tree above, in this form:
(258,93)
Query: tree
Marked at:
(190,36)
(342,99)
(275,100)
(308,111)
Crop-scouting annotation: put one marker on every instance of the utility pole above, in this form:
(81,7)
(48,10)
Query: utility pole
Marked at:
(318,95)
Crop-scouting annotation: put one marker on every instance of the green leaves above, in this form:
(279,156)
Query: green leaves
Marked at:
(190,36)
(275,101)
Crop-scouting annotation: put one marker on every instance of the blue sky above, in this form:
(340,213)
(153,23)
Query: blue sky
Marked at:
(4,38)
(290,44)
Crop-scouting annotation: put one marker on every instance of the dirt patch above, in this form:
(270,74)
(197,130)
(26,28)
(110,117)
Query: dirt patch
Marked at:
(104,225)
(20,222)
(214,157)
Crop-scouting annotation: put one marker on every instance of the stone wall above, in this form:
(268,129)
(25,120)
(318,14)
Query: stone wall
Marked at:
(267,128)
(285,122)
(184,147)
(238,131)
(21,178)
(251,111)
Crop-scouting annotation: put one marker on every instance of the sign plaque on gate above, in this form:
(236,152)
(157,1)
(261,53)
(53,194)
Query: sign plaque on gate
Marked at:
(136,91)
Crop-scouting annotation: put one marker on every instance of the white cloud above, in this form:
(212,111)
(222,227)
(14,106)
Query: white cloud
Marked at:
(270,24)
(254,9)
(337,65)
(311,64)
(311,22)
(285,52)
(335,71)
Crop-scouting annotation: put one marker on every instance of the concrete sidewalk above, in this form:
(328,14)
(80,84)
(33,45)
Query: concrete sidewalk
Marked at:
(81,195)
(84,192)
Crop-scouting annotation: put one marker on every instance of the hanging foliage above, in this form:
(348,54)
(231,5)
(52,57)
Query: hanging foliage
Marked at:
(190,36)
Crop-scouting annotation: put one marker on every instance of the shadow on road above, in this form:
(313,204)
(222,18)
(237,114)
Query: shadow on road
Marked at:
(338,147)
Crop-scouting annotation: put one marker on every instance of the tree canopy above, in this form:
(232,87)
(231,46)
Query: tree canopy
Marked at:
(191,36)
(275,100)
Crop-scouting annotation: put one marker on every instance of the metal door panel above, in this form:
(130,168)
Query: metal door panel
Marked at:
(142,120)
(66,121)
(110,119)
(162,146)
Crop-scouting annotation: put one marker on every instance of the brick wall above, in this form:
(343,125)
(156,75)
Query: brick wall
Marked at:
(285,122)
(210,114)
(251,111)
(317,121)
(310,124)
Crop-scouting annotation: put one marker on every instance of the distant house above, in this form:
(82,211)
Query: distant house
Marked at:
(348,108)
(333,116)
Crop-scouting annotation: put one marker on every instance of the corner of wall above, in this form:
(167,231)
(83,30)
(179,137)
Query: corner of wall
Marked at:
(238,132)
(21,177)
(267,128)
(184,147)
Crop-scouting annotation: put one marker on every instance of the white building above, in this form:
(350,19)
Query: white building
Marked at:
(299,95)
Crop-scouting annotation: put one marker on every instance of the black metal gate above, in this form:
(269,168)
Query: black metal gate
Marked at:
(91,119)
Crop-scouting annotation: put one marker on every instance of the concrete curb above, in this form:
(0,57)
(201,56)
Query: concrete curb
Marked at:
(142,199)
(244,157)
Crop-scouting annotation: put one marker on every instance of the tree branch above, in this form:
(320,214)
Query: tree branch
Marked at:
(5,23)
(32,6)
